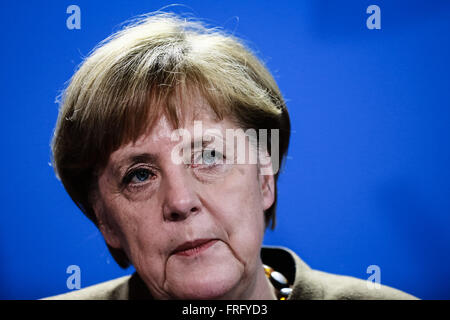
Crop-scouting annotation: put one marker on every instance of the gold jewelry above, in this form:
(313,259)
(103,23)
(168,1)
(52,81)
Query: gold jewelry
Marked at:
(280,283)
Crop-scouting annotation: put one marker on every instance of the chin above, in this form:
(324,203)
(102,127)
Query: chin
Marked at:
(206,289)
(214,274)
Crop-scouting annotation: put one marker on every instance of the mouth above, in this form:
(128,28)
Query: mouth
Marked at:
(193,248)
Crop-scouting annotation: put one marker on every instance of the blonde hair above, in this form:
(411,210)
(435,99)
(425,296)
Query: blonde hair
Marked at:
(129,80)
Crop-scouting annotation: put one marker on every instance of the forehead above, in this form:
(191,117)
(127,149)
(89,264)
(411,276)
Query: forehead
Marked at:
(192,110)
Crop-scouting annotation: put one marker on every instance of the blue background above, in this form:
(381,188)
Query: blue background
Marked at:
(367,178)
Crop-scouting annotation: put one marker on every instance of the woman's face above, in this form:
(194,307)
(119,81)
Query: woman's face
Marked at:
(190,230)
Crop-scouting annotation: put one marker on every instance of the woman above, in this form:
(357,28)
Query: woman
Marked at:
(145,146)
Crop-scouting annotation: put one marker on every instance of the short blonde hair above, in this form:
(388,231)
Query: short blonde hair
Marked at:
(128,81)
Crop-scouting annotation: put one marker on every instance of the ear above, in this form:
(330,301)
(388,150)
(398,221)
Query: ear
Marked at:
(266,179)
(267,190)
(106,227)
(267,187)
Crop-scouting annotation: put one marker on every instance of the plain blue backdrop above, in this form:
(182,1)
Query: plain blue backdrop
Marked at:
(367,179)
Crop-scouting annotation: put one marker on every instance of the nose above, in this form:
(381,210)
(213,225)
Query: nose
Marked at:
(180,198)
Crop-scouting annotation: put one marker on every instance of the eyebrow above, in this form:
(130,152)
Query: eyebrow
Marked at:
(203,142)
(133,159)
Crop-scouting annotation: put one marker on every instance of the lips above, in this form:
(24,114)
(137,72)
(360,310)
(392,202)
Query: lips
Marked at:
(192,248)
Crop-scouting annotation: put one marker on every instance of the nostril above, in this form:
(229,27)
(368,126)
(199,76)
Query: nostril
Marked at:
(181,215)
(174,216)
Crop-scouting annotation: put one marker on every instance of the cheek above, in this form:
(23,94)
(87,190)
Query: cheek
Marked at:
(138,227)
(238,204)
(141,227)
(145,241)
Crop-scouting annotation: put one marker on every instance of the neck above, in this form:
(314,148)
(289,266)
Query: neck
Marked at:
(258,288)
(263,289)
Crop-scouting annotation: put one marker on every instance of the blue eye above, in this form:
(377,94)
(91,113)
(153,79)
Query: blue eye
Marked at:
(142,174)
(206,157)
(138,176)
(209,157)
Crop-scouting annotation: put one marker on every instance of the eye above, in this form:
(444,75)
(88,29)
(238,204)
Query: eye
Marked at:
(142,174)
(208,158)
(138,176)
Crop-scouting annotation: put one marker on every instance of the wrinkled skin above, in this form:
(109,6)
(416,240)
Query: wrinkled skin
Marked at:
(149,206)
